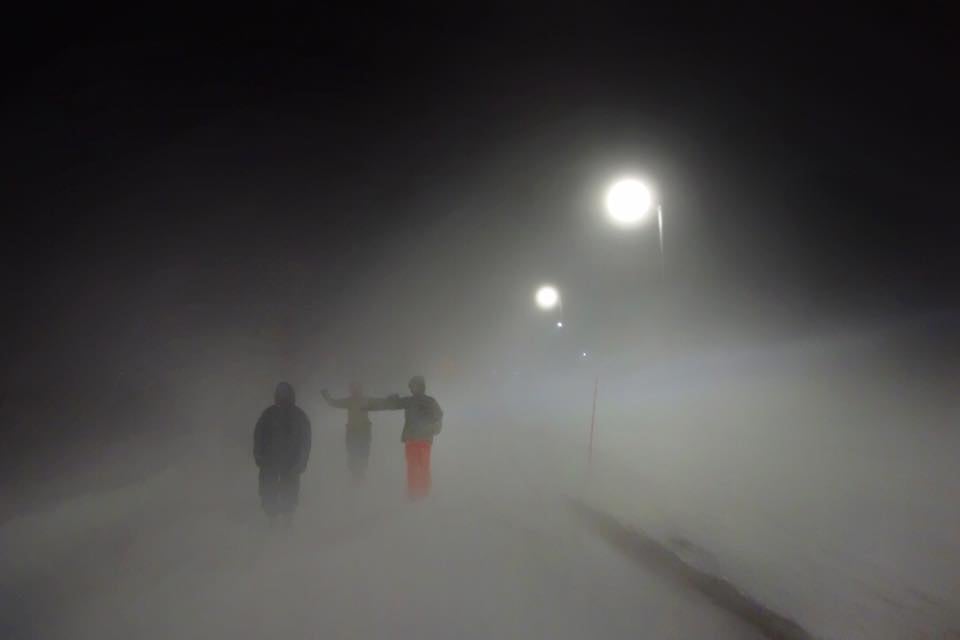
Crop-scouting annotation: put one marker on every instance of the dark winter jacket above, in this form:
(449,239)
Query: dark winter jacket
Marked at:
(282,438)
(422,416)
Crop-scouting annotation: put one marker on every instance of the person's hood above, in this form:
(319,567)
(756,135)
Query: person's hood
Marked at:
(284,395)
(417,386)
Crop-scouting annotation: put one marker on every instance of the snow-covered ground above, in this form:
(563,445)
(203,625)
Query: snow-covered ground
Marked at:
(815,478)
(819,479)
(186,554)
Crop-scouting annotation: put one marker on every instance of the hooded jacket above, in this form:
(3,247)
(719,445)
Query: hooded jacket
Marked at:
(282,437)
(422,416)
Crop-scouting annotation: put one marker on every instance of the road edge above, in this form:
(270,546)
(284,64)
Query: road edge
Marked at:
(662,560)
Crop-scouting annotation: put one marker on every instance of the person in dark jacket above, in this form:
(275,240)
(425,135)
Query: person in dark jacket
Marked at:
(423,420)
(281,448)
(359,428)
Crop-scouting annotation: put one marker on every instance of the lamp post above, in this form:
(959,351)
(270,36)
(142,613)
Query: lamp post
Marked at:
(630,202)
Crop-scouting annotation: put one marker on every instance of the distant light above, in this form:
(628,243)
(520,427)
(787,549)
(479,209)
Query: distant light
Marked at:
(629,202)
(559,325)
(584,354)
(547,297)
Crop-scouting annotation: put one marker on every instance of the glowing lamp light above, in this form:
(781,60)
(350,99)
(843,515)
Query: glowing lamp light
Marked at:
(629,202)
(547,297)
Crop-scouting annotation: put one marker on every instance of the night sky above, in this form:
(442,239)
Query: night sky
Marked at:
(172,179)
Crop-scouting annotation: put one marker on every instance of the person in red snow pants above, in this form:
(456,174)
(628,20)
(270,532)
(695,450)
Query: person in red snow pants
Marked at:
(423,420)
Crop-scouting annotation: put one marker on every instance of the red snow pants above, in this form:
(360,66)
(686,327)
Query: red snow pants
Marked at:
(418,468)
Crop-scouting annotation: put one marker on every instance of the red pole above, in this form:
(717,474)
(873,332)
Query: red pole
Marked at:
(593,420)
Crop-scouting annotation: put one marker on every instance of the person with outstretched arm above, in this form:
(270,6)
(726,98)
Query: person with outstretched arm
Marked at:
(281,449)
(423,420)
(359,434)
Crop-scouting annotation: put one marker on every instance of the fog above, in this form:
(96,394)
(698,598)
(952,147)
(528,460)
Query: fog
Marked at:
(766,419)
(816,471)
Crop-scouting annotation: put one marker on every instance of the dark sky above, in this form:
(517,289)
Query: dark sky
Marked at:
(171,176)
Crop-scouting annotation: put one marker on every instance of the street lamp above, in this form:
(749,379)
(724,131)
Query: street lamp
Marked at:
(629,203)
(547,297)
